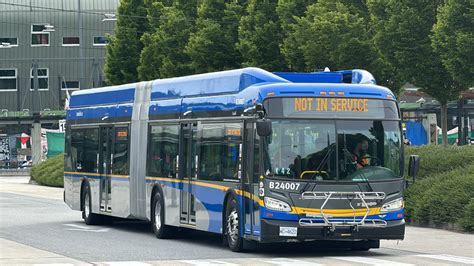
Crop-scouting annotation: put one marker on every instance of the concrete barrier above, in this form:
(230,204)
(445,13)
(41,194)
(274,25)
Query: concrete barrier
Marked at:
(15,172)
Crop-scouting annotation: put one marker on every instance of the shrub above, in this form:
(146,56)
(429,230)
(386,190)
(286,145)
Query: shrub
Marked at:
(437,159)
(50,172)
(444,196)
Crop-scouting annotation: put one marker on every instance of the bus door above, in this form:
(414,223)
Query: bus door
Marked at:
(105,165)
(250,180)
(187,172)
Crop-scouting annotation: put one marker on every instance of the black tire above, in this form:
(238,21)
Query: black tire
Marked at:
(89,217)
(161,230)
(232,226)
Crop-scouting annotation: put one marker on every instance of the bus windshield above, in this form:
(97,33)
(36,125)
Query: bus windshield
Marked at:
(345,150)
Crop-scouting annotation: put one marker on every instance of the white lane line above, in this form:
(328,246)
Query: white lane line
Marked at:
(53,264)
(446,257)
(123,263)
(208,262)
(291,262)
(76,227)
(370,261)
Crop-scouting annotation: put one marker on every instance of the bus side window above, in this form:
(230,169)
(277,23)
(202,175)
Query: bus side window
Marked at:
(162,151)
(220,146)
(84,149)
(120,159)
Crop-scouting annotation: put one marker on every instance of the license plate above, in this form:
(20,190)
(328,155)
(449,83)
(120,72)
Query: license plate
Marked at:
(288,231)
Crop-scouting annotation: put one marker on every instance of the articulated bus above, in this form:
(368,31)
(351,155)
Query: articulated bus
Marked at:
(249,154)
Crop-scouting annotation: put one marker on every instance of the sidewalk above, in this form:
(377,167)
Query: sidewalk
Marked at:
(20,185)
(13,253)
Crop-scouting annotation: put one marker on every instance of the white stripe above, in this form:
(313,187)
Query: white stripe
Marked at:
(291,262)
(446,257)
(53,264)
(370,261)
(122,263)
(208,262)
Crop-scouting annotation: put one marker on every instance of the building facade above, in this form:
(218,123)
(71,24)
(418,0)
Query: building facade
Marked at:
(64,40)
(48,48)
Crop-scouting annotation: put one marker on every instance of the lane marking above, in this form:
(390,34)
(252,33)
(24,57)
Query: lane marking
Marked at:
(291,262)
(208,262)
(370,261)
(53,264)
(120,263)
(446,257)
(83,228)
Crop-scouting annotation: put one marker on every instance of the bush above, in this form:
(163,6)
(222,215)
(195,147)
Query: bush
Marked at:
(50,172)
(436,158)
(444,190)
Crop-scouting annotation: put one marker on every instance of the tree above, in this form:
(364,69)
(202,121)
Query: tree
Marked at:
(260,36)
(123,50)
(453,39)
(403,37)
(288,12)
(163,53)
(212,46)
(329,35)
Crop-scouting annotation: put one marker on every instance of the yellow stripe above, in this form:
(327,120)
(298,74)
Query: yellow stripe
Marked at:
(250,196)
(336,212)
(95,174)
(82,173)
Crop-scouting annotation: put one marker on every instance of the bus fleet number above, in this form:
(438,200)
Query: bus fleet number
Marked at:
(283,185)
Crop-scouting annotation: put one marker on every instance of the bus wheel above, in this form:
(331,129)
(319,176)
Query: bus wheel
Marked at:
(89,217)
(232,233)
(161,230)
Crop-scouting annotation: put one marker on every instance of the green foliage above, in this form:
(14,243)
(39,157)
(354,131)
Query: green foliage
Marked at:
(402,36)
(453,39)
(123,50)
(444,191)
(212,46)
(437,159)
(50,172)
(163,53)
(260,36)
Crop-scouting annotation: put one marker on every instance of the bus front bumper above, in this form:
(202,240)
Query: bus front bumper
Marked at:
(284,231)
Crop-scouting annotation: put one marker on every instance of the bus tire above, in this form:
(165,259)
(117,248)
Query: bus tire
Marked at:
(161,230)
(232,226)
(89,217)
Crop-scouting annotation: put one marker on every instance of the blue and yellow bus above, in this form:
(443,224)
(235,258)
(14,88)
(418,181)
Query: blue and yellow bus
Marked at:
(249,154)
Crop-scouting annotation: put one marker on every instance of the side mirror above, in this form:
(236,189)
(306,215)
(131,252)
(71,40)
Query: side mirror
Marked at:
(413,166)
(264,128)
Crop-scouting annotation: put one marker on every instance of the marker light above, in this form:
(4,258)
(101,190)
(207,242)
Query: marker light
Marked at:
(277,205)
(393,205)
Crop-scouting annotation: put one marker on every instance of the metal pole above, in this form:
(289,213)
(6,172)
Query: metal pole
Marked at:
(81,52)
(460,121)
(36,129)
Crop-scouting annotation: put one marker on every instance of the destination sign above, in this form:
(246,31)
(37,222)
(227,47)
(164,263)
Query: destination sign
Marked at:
(331,104)
(331,107)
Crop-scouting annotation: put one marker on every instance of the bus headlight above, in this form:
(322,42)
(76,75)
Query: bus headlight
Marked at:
(277,205)
(393,205)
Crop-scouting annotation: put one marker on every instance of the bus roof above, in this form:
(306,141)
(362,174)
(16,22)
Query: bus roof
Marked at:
(227,90)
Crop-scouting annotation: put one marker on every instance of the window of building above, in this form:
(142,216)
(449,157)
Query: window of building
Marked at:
(84,149)
(10,41)
(70,85)
(163,150)
(43,79)
(71,41)
(220,152)
(120,159)
(38,36)
(8,79)
(100,41)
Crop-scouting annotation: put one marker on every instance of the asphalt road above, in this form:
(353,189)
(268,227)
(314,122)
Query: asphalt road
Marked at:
(43,221)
